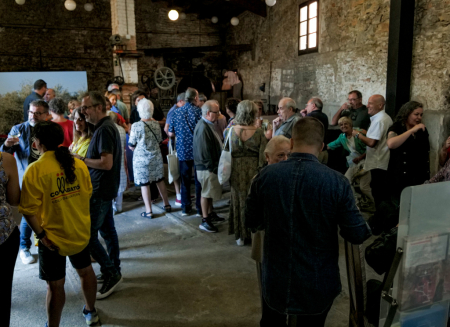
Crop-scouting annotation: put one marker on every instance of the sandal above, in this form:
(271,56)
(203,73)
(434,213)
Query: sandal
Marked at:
(148,215)
(167,208)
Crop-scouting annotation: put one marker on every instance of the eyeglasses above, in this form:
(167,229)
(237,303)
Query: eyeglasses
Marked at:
(86,107)
(37,113)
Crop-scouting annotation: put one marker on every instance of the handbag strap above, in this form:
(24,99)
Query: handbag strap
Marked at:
(152,132)
(228,139)
(171,149)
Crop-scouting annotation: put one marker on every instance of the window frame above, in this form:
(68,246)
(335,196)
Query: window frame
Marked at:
(316,48)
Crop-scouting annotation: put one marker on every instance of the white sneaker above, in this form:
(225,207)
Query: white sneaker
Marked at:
(26,257)
(240,242)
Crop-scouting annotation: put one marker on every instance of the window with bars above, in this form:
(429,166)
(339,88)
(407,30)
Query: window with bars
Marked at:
(308,40)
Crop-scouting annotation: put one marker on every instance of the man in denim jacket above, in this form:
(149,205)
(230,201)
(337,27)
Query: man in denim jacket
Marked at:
(301,203)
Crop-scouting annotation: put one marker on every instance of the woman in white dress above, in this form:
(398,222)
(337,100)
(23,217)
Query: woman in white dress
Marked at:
(145,138)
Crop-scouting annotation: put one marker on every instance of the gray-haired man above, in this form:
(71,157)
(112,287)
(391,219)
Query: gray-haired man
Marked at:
(286,118)
(207,150)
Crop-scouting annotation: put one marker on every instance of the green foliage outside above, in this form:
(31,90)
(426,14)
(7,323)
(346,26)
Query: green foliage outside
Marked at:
(11,104)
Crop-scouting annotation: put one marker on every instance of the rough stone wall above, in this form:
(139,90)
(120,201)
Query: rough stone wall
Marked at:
(155,30)
(352,55)
(352,52)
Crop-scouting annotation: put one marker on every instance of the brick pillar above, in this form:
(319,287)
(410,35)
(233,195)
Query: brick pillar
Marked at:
(123,23)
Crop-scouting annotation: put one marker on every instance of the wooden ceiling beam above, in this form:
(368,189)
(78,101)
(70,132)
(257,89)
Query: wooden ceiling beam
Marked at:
(257,7)
(190,50)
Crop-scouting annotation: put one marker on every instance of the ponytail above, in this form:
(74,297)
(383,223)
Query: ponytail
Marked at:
(67,162)
(51,135)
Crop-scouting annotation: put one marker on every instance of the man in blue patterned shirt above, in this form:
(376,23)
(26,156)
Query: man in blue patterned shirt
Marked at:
(182,126)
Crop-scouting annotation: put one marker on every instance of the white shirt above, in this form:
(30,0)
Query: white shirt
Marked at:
(378,156)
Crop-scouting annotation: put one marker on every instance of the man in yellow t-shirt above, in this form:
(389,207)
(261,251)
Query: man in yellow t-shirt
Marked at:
(55,198)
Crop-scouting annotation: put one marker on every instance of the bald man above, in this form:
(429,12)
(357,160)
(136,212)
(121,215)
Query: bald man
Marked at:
(286,118)
(49,94)
(377,154)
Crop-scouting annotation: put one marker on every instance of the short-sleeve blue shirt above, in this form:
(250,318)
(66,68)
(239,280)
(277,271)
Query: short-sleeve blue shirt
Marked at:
(183,124)
(170,114)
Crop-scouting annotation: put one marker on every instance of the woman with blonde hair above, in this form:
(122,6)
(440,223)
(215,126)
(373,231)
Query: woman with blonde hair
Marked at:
(145,138)
(247,144)
(82,133)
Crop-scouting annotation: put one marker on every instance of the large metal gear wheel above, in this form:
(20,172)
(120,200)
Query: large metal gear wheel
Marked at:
(164,78)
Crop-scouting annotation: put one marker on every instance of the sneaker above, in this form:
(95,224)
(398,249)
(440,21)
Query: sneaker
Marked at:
(90,316)
(199,214)
(178,203)
(26,257)
(215,218)
(100,278)
(208,227)
(109,285)
(186,212)
(240,242)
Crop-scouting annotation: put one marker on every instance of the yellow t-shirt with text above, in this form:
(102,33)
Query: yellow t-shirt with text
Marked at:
(62,208)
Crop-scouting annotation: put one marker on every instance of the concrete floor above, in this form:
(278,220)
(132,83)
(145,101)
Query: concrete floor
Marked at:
(174,275)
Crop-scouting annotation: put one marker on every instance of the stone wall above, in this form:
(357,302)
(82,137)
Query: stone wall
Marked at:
(352,55)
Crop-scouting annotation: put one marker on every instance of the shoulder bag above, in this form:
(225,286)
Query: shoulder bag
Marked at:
(153,133)
(172,163)
(224,170)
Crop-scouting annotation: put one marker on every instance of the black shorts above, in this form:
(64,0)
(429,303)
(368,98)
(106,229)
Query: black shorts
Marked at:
(52,265)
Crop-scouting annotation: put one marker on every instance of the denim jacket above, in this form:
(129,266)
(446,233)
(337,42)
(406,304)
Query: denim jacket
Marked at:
(22,150)
(301,203)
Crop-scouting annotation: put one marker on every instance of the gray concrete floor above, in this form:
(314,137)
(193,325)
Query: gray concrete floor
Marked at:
(174,275)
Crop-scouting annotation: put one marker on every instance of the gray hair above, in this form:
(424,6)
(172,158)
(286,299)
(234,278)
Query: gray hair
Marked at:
(113,116)
(207,106)
(145,109)
(113,86)
(246,113)
(57,106)
(181,97)
(190,94)
(202,97)
(275,142)
(317,102)
(290,103)
(117,93)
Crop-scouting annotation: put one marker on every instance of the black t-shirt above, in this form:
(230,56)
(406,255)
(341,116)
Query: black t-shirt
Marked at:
(106,139)
(360,117)
(34,152)
(134,115)
(157,111)
(323,119)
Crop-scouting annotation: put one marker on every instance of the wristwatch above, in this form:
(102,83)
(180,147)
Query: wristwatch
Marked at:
(41,235)
(83,158)
(357,135)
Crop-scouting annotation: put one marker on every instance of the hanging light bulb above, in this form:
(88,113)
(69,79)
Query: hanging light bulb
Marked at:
(271,3)
(173,14)
(214,20)
(88,6)
(20,2)
(235,21)
(70,5)
(182,15)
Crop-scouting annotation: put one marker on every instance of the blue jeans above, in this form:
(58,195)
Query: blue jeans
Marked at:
(109,234)
(25,235)
(99,210)
(185,176)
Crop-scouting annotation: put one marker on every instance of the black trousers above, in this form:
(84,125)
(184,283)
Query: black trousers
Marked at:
(380,185)
(272,318)
(8,253)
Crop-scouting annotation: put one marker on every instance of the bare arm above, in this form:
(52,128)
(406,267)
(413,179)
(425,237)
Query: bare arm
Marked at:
(337,115)
(13,187)
(367,141)
(166,128)
(394,140)
(104,163)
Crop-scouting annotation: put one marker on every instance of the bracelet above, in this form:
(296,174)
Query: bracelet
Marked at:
(83,158)
(41,235)
(357,135)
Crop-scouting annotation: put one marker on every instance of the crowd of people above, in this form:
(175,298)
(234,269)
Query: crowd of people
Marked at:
(73,161)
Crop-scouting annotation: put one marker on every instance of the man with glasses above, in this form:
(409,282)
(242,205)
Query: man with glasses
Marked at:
(103,159)
(207,151)
(286,118)
(355,110)
(20,142)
